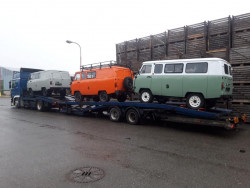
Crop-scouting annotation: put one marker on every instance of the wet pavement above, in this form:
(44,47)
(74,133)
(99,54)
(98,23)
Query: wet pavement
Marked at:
(42,149)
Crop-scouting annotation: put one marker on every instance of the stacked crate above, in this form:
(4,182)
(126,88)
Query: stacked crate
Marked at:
(196,40)
(121,52)
(131,53)
(145,49)
(159,46)
(240,60)
(176,43)
(218,38)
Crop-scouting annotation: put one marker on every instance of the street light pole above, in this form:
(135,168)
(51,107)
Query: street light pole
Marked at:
(68,41)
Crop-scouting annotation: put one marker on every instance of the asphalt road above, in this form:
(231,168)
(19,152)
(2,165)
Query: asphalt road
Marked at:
(41,149)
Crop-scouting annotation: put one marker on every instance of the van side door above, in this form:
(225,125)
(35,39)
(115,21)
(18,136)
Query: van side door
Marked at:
(172,80)
(143,80)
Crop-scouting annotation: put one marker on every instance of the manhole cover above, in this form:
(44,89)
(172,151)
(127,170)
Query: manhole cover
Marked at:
(86,174)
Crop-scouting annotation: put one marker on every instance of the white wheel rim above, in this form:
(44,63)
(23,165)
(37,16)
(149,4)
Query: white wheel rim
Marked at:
(145,96)
(194,101)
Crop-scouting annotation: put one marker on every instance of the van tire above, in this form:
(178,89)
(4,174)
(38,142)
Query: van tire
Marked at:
(146,96)
(195,101)
(31,92)
(115,114)
(122,98)
(44,92)
(78,96)
(128,83)
(103,96)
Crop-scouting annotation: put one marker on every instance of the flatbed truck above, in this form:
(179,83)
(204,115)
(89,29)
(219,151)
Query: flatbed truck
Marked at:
(133,112)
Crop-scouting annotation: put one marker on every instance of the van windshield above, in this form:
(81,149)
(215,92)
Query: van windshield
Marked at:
(146,69)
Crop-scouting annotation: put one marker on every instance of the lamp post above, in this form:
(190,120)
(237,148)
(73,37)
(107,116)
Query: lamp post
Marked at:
(68,41)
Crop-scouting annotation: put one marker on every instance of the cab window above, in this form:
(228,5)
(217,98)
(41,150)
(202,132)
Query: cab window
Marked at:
(91,75)
(83,75)
(146,69)
(77,77)
(196,67)
(158,68)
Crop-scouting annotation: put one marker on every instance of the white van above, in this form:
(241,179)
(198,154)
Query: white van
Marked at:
(46,82)
(201,81)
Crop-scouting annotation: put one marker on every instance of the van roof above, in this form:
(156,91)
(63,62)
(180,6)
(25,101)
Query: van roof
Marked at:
(112,67)
(186,60)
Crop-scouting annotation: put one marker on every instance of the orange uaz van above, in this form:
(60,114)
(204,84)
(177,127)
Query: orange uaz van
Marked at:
(102,82)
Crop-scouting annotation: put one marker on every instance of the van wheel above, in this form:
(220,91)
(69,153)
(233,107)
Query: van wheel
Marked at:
(44,92)
(122,98)
(40,106)
(115,114)
(128,83)
(195,101)
(31,92)
(103,96)
(63,93)
(146,96)
(78,96)
(132,117)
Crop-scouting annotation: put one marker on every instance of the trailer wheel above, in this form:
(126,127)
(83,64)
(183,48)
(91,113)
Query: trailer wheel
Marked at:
(146,96)
(103,96)
(195,101)
(115,114)
(132,117)
(40,105)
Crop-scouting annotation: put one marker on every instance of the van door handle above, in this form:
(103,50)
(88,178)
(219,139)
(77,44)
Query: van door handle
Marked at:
(149,77)
(167,86)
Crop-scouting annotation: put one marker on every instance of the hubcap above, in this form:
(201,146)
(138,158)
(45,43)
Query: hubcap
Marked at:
(194,101)
(145,96)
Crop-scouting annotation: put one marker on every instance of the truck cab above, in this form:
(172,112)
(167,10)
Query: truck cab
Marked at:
(18,84)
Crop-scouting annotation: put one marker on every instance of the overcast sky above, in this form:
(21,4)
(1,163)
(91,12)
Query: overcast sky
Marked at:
(33,32)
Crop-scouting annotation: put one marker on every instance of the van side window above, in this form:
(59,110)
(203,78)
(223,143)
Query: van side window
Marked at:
(146,69)
(196,67)
(77,77)
(91,75)
(173,68)
(158,68)
(225,69)
(230,70)
(83,75)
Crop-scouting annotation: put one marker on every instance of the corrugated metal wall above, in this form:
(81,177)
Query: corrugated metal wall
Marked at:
(6,76)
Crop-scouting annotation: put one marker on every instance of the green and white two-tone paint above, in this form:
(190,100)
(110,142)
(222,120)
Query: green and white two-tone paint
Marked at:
(200,80)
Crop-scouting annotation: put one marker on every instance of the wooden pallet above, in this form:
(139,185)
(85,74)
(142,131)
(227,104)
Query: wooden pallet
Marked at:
(240,55)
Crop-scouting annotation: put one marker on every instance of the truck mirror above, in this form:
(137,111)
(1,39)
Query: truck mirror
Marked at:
(9,84)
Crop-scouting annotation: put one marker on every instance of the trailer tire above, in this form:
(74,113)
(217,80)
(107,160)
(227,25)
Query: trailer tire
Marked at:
(115,114)
(40,105)
(132,117)
(16,103)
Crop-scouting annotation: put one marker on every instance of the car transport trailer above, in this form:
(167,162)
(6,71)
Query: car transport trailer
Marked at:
(134,112)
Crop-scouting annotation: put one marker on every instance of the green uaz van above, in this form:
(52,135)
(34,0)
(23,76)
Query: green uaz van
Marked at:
(200,81)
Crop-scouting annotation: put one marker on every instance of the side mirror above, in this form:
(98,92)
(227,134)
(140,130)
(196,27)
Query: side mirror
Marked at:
(9,84)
